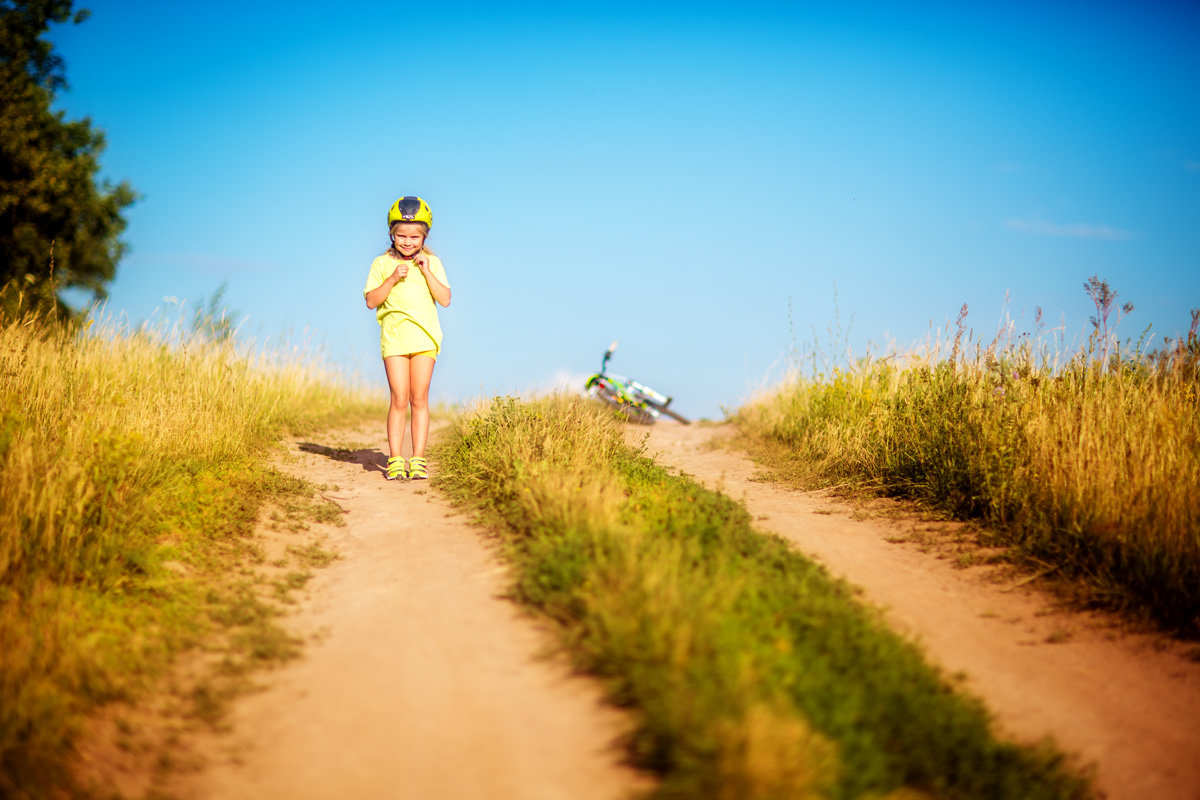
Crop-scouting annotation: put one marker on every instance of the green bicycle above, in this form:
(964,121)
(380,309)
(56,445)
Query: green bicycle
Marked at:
(637,402)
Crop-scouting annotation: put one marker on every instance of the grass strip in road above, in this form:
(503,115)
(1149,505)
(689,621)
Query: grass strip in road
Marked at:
(750,671)
(133,465)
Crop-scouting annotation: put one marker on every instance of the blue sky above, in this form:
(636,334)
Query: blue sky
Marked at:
(692,179)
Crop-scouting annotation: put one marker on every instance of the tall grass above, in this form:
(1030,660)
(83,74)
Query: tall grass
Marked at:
(1089,462)
(751,673)
(132,466)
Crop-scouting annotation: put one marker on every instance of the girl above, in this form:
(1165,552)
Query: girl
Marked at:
(410,335)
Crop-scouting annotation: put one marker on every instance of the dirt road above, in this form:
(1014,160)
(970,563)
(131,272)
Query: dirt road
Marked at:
(422,681)
(1129,704)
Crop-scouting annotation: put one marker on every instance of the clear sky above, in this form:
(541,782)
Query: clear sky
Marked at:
(693,179)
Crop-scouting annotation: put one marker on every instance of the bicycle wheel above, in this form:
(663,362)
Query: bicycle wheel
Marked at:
(606,396)
(664,410)
(629,411)
(641,416)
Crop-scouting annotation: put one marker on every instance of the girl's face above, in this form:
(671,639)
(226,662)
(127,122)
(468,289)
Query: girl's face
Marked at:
(408,237)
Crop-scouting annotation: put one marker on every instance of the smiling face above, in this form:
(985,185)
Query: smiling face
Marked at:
(408,238)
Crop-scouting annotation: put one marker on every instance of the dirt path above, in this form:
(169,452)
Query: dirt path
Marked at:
(419,680)
(1129,704)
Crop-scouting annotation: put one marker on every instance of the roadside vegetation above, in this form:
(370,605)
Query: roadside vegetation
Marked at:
(133,466)
(751,673)
(1086,465)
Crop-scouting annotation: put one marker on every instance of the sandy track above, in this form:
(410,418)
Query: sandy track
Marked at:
(1129,704)
(420,680)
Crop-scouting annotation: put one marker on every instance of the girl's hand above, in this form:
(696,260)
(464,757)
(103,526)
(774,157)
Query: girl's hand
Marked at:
(421,261)
(401,271)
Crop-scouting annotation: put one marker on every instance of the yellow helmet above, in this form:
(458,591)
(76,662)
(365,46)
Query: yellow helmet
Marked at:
(410,209)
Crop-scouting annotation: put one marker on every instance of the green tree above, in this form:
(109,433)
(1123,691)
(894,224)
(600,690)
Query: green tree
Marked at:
(59,223)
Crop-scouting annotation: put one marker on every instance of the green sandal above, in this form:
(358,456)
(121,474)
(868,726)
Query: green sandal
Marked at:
(418,469)
(396,469)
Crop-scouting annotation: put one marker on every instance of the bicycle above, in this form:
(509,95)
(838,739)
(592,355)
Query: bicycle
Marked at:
(637,402)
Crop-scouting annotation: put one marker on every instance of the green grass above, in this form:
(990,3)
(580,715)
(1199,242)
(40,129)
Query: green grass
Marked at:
(1091,466)
(133,466)
(750,672)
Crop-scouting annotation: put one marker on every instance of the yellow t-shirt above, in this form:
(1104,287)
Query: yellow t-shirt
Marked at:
(408,316)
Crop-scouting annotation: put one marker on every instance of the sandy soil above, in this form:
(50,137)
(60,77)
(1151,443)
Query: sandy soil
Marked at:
(1129,704)
(420,680)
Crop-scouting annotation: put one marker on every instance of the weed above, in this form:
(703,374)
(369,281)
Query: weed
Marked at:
(313,555)
(266,643)
(1089,463)
(284,587)
(295,580)
(208,703)
(964,560)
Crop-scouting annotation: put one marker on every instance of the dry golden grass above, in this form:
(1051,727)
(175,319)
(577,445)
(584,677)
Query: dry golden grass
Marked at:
(132,466)
(1091,463)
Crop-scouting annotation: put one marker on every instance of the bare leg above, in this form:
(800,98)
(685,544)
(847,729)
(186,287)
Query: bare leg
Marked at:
(397,369)
(420,372)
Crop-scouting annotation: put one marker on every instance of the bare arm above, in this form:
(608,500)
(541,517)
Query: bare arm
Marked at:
(439,290)
(376,296)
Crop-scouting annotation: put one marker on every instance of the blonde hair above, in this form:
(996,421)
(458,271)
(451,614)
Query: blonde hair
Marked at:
(392,251)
